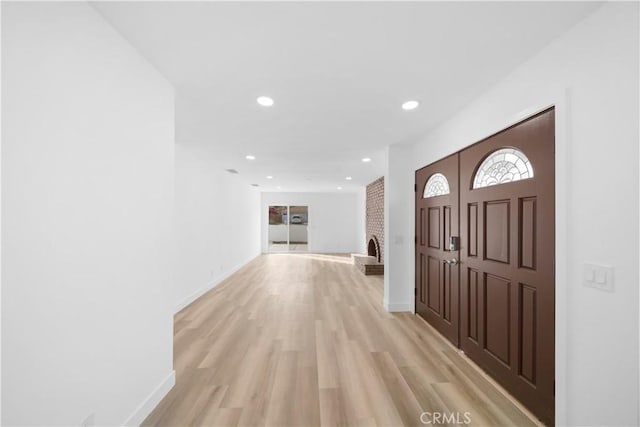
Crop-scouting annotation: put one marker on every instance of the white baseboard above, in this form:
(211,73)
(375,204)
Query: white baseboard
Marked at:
(151,401)
(398,307)
(206,288)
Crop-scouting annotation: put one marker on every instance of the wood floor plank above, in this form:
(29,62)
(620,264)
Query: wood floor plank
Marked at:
(332,409)
(303,339)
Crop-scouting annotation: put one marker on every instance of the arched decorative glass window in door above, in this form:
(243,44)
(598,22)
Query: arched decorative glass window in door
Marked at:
(501,167)
(437,185)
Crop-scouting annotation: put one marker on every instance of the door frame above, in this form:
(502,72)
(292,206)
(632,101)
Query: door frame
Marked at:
(560,100)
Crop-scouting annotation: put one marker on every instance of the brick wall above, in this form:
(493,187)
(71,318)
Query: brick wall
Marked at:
(375,213)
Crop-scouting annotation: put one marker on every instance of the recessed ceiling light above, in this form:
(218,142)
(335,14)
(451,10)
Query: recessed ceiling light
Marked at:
(348,178)
(269,177)
(265,101)
(250,157)
(366,159)
(410,105)
(339,188)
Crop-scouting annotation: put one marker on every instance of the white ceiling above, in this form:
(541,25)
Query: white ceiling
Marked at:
(338,73)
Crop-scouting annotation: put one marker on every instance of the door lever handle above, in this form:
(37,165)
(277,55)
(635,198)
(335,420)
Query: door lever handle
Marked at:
(452,261)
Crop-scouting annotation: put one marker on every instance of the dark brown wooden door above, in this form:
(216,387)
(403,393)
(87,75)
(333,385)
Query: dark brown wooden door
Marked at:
(437,219)
(507,291)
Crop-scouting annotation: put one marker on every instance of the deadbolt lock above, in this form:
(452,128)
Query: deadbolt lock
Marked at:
(454,243)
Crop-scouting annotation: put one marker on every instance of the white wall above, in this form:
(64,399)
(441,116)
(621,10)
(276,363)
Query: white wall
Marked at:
(0,233)
(87,176)
(217,223)
(591,75)
(336,220)
(399,228)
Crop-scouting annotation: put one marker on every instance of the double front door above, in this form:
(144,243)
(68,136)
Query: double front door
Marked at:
(485,251)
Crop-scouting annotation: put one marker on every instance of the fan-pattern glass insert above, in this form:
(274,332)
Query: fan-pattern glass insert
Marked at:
(503,166)
(437,185)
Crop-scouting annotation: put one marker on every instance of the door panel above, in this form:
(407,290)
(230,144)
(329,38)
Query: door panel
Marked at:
(507,275)
(497,310)
(472,226)
(433,284)
(437,219)
(434,227)
(527,239)
(472,304)
(496,230)
(527,327)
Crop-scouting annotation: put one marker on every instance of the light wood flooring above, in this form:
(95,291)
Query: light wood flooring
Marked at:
(303,339)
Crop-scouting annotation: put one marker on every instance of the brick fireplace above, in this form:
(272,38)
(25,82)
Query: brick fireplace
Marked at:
(373,263)
(375,216)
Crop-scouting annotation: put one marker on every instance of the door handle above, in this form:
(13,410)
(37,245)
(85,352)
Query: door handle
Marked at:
(451,261)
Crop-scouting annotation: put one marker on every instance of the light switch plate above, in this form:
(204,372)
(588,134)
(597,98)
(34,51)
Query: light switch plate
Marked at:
(598,277)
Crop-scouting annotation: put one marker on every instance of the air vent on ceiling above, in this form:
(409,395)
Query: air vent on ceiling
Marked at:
(231,170)
(255,185)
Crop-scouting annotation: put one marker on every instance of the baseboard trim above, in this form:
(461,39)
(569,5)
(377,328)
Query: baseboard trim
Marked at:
(398,307)
(206,288)
(151,401)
